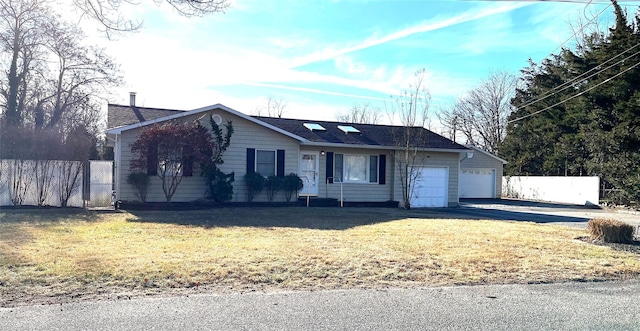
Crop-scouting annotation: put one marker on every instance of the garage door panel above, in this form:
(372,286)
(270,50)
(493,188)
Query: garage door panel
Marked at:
(477,183)
(430,188)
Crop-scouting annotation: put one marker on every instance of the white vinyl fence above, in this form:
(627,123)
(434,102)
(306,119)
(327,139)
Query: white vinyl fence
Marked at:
(573,190)
(55,182)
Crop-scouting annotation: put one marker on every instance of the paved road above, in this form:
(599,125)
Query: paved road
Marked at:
(570,306)
(539,212)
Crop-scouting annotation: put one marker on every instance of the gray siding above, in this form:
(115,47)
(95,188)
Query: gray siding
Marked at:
(246,135)
(250,135)
(357,192)
(483,161)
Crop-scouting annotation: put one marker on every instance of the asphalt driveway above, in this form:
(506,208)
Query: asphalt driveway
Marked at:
(532,211)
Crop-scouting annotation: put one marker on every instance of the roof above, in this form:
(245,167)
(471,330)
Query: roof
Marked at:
(179,114)
(487,153)
(370,135)
(121,115)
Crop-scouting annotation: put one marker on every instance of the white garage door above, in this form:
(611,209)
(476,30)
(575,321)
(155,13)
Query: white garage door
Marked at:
(430,189)
(477,183)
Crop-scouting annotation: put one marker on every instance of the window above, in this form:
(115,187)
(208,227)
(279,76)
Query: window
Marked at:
(314,127)
(170,160)
(356,168)
(266,163)
(348,129)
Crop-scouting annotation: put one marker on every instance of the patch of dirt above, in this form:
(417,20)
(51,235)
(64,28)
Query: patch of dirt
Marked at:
(633,247)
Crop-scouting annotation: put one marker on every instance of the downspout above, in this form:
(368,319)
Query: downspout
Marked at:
(463,156)
(117,155)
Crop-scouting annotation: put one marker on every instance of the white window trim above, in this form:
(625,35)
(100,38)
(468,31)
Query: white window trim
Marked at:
(275,161)
(368,169)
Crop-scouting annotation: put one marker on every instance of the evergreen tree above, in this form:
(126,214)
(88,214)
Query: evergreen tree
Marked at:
(578,113)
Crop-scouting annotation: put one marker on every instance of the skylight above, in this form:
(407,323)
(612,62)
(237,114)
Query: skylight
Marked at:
(348,129)
(314,127)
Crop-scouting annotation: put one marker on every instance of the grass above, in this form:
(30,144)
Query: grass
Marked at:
(611,231)
(53,255)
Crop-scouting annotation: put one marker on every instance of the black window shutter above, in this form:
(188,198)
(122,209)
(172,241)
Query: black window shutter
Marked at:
(251,160)
(187,162)
(280,163)
(187,168)
(329,178)
(382,169)
(152,160)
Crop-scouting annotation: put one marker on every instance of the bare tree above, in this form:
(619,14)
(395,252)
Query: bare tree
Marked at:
(272,108)
(4,181)
(450,123)
(411,109)
(481,115)
(69,180)
(21,37)
(19,182)
(53,79)
(43,172)
(362,113)
(80,74)
(109,12)
(587,30)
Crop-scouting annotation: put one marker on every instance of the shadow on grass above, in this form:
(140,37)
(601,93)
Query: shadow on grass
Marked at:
(321,218)
(330,218)
(36,215)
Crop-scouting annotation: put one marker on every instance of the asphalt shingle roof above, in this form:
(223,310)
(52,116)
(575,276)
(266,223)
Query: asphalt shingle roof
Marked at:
(372,135)
(120,115)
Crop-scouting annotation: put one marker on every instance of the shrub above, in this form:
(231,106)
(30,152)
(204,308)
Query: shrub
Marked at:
(291,183)
(273,185)
(219,184)
(140,182)
(254,183)
(610,231)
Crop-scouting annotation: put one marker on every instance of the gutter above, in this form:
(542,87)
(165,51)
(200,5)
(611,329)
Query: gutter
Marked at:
(339,145)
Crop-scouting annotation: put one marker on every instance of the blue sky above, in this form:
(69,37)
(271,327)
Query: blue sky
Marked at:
(321,57)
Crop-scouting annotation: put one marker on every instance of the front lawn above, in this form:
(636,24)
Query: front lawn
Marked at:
(58,255)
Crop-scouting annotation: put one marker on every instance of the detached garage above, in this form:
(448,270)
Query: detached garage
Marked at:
(480,175)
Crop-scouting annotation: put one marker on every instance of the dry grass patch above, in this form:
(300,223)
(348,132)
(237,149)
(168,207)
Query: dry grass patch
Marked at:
(49,255)
(610,231)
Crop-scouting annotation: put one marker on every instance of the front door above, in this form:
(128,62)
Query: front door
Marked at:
(309,172)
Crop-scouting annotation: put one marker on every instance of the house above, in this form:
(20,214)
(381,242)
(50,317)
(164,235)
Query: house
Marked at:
(481,174)
(332,158)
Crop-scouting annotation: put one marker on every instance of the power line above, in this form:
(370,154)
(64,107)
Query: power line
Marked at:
(574,96)
(583,26)
(568,83)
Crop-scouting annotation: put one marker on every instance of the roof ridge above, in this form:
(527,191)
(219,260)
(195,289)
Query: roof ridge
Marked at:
(151,108)
(335,122)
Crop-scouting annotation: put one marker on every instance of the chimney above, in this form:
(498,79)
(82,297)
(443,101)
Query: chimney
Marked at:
(132,99)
